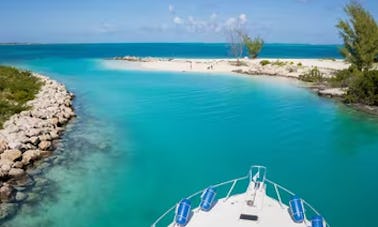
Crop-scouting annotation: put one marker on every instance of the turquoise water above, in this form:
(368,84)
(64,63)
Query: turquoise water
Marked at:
(143,140)
(177,50)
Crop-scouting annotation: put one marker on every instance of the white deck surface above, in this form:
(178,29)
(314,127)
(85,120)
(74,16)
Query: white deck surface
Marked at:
(226,213)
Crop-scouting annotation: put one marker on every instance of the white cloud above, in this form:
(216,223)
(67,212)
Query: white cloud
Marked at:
(236,23)
(231,22)
(191,20)
(243,18)
(213,16)
(213,23)
(171,9)
(177,20)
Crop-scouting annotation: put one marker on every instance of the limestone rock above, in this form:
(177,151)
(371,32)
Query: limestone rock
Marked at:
(11,155)
(333,92)
(34,140)
(54,134)
(15,145)
(4,162)
(44,145)
(16,172)
(45,137)
(30,155)
(5,167)
(3,145)
(54,121)
(18,164)
(5,193)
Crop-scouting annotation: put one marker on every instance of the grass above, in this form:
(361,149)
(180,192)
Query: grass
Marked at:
(264,62)
(276,63)
(238,63)
(16,88)
(279,63)
(313,75)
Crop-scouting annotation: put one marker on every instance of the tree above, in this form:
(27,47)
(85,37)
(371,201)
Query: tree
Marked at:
(253,46)
(235,40)
(360,35)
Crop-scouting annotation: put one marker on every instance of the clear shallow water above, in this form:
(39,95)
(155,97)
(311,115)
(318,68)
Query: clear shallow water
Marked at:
(143,140)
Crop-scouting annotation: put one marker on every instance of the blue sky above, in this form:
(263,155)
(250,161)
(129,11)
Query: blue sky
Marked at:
(82,21)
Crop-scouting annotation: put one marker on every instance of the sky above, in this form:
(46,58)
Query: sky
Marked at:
(104,21)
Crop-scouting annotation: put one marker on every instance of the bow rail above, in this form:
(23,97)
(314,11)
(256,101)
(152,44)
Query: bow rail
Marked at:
(276,191)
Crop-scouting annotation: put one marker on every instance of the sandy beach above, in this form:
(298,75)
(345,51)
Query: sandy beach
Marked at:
(279,67)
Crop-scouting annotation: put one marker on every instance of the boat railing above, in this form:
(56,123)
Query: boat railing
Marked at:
(308,208)
(277,191)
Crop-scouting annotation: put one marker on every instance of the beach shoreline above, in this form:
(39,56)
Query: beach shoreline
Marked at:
(28,138)
(274,67)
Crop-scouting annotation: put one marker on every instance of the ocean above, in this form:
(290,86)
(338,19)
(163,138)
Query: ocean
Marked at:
(144,140)
(168,50)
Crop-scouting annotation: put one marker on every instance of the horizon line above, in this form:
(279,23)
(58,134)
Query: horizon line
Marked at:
(83,43)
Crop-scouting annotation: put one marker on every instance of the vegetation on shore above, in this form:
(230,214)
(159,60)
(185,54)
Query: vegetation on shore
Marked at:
(253,46)
(239,42)
(314,76)
(16,88)
(360,35)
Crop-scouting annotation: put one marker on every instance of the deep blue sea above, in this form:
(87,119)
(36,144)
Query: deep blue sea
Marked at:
(177,50)
(143,140)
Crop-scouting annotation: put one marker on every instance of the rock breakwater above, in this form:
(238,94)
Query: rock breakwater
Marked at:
(30,136)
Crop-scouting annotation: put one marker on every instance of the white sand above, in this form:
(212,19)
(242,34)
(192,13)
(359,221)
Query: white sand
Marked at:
(290,69)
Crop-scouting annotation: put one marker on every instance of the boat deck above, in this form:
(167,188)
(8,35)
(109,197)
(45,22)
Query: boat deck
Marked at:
(226,212)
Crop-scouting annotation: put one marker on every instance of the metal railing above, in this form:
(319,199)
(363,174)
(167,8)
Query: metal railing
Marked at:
(230,191)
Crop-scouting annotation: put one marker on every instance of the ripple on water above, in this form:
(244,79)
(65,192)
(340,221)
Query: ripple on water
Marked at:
(145,138)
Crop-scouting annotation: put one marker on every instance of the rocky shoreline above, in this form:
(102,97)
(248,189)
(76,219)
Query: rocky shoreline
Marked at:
(30,136)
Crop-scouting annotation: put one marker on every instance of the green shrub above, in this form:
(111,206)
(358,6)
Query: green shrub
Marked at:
(343,78)
(279,63)
(299,64)
(364,89)
(238,63)
(314,75)
(16,88)
(253,46)
(264,62)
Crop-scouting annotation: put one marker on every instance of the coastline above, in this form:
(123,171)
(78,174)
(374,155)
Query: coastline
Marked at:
(277,67)
(283,68)
(27,137)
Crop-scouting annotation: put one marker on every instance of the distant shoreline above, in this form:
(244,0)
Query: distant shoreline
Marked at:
(281,67)
(287,67)
(18,44)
